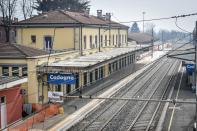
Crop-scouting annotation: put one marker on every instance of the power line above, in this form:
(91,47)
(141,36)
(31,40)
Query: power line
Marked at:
(176,23)
(130,99)
(162,18)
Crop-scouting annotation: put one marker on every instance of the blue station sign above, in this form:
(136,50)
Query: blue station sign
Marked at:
(58,78)
(190,68)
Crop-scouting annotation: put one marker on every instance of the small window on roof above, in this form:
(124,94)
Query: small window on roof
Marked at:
(33,38)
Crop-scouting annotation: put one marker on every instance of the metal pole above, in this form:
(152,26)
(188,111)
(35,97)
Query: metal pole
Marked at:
(152,41)
(162,41)
(81,43)
(99,39)
(195,37)
(143,20)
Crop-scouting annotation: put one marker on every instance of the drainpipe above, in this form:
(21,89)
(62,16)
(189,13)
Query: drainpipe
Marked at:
(81,43)
(99,39)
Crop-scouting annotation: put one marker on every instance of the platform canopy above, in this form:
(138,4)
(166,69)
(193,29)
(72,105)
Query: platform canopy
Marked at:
(94,60)
(89,60)
(185,52)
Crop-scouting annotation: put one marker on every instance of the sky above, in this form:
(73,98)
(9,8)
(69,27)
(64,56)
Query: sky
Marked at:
(129,10)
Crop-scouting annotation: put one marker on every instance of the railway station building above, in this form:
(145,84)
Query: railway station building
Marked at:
(81,50)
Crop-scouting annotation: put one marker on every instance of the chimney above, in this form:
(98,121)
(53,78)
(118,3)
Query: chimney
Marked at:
(87,12)
(108,16)
(99,13)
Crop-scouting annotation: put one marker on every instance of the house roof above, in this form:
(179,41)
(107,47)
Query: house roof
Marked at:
(9,82)
(140,37)
(61,17)
(19,51)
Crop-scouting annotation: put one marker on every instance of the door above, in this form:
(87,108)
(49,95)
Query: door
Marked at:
(3,112)
(48,43)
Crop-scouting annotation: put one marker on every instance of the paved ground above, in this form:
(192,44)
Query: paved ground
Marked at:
(181,119)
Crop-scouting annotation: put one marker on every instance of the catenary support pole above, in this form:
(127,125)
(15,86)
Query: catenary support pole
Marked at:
(195,42)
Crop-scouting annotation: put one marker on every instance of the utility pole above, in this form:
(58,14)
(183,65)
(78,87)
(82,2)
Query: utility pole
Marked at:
(143,13)
(152,41)
(162,40)
(195,42)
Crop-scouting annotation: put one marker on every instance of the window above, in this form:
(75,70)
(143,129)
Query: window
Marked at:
(2,100)
(119,39)
(33,39)
(122,39)
(15,71)
(109,40)
(24,71)
(91,46)
(5,71)
(96,41)
(116,39)
(48,43)
(58,88)
(105,40)
(101,41)
(84,40)
(125,38)
(113,40)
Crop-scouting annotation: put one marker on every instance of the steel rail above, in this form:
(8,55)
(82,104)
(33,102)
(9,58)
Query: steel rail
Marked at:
(123,93)
(146,104)
(159,105)
(120,109)
(148,70)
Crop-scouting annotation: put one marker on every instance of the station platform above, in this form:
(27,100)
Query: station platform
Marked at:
(180,117)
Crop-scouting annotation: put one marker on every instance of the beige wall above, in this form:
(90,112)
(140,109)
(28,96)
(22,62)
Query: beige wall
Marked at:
(67,38)
(64,37)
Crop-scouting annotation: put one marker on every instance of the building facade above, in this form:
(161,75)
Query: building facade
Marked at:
(62,30)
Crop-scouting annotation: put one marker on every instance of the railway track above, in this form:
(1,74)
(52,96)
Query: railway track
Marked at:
(112,115)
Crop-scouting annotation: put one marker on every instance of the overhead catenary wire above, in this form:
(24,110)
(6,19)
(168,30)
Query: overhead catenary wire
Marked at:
(176,23)
(159,19)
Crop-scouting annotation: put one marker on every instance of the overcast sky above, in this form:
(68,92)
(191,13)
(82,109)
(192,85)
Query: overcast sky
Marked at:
(127,10)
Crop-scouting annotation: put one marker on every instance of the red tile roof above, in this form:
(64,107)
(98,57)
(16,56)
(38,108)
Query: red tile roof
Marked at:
(19,51)
(67,17)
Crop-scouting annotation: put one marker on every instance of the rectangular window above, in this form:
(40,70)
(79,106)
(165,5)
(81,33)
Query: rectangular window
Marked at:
(101,41)
(109,40)
(91,46)
(96,41)
(84,40)
(48,43)
(15,71)
(105,40)
(58,88)
(122,39)
(3,101)
(113,40)
(5,71)
(116,39)
(33,39)
(119,39)
(24,71)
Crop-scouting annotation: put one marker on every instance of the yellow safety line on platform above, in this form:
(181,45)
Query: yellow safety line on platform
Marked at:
(172,116)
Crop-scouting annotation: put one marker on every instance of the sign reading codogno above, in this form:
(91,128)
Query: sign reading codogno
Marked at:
(57,78)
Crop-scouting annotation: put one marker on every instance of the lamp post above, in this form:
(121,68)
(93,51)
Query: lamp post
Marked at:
(143,13)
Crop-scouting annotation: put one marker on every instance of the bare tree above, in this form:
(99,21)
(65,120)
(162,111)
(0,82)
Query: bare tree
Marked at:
(7,9)
(27,8)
